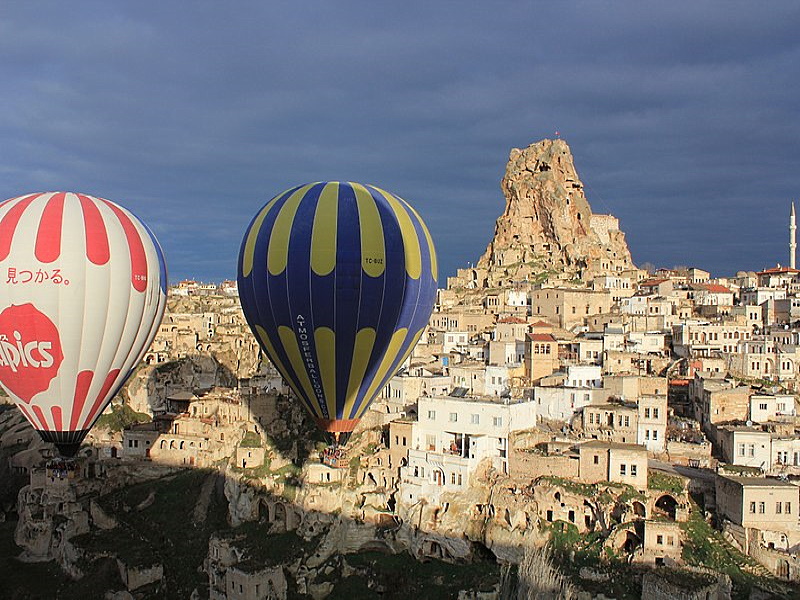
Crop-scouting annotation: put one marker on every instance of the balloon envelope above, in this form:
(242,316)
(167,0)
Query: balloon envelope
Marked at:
(337,281)
(84,292)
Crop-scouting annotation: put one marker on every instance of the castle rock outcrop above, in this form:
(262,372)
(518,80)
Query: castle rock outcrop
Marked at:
(548,225)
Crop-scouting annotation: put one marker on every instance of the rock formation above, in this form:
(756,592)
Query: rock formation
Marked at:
(548,224)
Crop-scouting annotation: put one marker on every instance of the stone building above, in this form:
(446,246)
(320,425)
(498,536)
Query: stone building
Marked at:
(567,308)
(718,400)
(541,356)
(231,577)
(607,461)
(759,503)
(662,543)
(612,422)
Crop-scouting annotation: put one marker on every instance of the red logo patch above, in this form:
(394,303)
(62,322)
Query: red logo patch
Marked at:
(30,351)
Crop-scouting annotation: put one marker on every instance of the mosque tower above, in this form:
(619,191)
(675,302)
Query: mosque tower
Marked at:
(792,239)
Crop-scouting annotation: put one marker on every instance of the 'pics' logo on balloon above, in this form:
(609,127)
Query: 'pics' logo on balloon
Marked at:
(30,351)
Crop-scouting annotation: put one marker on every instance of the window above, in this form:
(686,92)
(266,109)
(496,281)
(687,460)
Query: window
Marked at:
(646,413)
(453,417)
(741,449)
(633,470)
(596,459)
(655,413)
(497,421)
(453,478)
(762,406)
(762,508)
(751,450)
(627,421)
(475,419)
(647,434)
(622,470)
(591,418)
(788,506)
(752,508)
(655,434)
(778,506)
(660,540)
(432,415)
(670,540)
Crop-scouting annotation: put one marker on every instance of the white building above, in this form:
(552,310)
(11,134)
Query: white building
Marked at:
(785,454)
(455,340)
(559,403)
(652,426)
(453,435)
(404,390)
(746,446)
(764,408)
(517,298)
(584,376)
(759,295)
(498,380)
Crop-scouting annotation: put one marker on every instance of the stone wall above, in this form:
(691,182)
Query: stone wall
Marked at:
(530,465)
(782,564)
(687,454)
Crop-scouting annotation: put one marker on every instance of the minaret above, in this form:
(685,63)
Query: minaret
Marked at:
(792,238)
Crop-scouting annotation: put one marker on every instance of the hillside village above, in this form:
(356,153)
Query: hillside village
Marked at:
(633,419)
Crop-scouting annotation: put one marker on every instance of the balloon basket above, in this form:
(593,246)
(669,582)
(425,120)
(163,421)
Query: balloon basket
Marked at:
(61,468)
(335,457)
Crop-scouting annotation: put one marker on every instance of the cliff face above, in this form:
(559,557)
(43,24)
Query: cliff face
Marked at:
(548,223)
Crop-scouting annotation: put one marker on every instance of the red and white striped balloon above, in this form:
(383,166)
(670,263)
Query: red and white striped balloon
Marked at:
(82,293)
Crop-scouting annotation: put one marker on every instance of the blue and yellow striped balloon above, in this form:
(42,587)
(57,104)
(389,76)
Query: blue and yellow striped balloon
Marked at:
(337,281)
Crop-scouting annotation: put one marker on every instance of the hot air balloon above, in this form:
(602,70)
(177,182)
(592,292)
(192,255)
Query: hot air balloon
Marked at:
(83,294)
(337,280)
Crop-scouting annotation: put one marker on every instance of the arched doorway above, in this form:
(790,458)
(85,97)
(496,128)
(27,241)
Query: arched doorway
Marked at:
(438,476)
(667,506)
(264,514)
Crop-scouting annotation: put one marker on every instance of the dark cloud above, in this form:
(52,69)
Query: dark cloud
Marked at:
(681,116)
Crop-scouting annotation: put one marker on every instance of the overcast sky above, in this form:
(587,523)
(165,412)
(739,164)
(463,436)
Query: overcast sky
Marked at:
(683,117)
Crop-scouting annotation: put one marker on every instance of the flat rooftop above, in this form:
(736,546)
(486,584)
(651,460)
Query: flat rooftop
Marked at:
(758,481)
